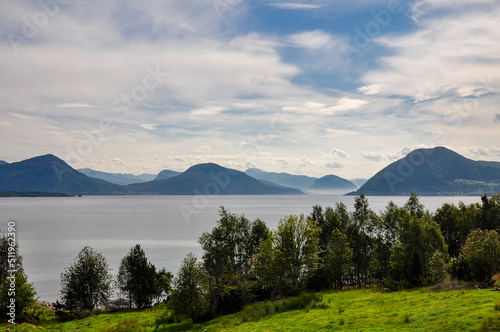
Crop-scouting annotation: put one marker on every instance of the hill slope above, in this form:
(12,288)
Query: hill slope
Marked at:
(437,171)
(210,179)
(50,174)
(166,174)
(333,183)
(283,179)
(2,162)
(117,178)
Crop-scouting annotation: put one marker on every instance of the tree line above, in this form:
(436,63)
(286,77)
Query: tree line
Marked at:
(244,261)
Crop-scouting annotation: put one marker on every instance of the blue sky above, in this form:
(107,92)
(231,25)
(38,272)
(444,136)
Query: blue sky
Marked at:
(305,87)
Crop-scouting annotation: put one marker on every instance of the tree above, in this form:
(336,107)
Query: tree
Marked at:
(14,285)
(137,278)
(189,296)
(86,284)
(338,258)
(228,250)
(481,253)
(163,284)
(296,252)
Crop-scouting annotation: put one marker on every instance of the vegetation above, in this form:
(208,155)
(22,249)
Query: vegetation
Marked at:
(87,283)
(256,276)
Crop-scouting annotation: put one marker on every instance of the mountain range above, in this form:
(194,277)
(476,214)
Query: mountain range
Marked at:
(436,171)
(117,178)
(328,183)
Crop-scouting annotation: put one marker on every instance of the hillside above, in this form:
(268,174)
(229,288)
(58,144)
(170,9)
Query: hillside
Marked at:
(50,174)
(117,178)
(210,179)
(3,162)
(333,183)
(437,171)
(166,174)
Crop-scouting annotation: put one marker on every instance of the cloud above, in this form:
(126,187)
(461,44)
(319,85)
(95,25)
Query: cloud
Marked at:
(334,165)
(452,53)
(339,153)
(294,6)
(372,156)
(484,151)
(148,126)
(75,105)
(312,40)
(496,118)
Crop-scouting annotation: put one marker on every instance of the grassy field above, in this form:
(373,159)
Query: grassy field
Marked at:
(419,309)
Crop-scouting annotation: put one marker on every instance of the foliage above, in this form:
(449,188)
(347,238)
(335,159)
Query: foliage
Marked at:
(228,250)
(137,278)
(480,256)
(189,296)
(338,262)
(86,284)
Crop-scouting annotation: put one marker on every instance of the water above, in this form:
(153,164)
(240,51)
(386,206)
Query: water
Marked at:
(51,231)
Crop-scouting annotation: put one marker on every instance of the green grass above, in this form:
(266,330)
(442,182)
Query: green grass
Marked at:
(352,310)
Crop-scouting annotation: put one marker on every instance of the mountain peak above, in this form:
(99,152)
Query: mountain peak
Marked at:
(436,171)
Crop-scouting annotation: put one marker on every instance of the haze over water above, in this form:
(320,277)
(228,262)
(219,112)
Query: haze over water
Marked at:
(51,231)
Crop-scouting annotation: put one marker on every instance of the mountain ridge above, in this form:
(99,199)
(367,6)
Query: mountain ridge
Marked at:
(436,171)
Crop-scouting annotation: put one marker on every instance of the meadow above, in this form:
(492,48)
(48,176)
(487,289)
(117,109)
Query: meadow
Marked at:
(419,309)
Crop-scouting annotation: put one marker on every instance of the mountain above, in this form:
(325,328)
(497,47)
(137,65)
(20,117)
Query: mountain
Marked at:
(50,174)
(437,171)
(210,179)
(283,179)
(3,162)
(358,182)
(333,183)
(166,174)
(117,178)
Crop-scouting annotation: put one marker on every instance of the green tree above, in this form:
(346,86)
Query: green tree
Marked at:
(481,253)
(338,260)
(296,252)
(14,285)
(227,253)
(86,284)
(164,280)
(189,295)
(490,214)
(137,278)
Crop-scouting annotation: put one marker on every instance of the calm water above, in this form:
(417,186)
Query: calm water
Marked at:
(51,231)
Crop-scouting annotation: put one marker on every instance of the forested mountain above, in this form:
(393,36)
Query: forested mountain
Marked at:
(437,171)
(50,174)
(210,179)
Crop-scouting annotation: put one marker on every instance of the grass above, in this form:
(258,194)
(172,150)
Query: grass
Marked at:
(419,309)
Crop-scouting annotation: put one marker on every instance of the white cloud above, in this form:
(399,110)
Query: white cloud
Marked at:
(374,156)
(339,153)
(75,105)
(148,126)
(294,6)
(313,40)
(334,165)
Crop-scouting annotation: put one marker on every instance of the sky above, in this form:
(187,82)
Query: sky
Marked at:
(304,87)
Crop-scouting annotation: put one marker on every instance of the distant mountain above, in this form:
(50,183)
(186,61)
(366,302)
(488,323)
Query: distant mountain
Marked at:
(358,182)
(50,174)
(333,183)
(283,179)
(210,179)
(31,194)
(117,178)
(166,174)
(3,162)
(437,171)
